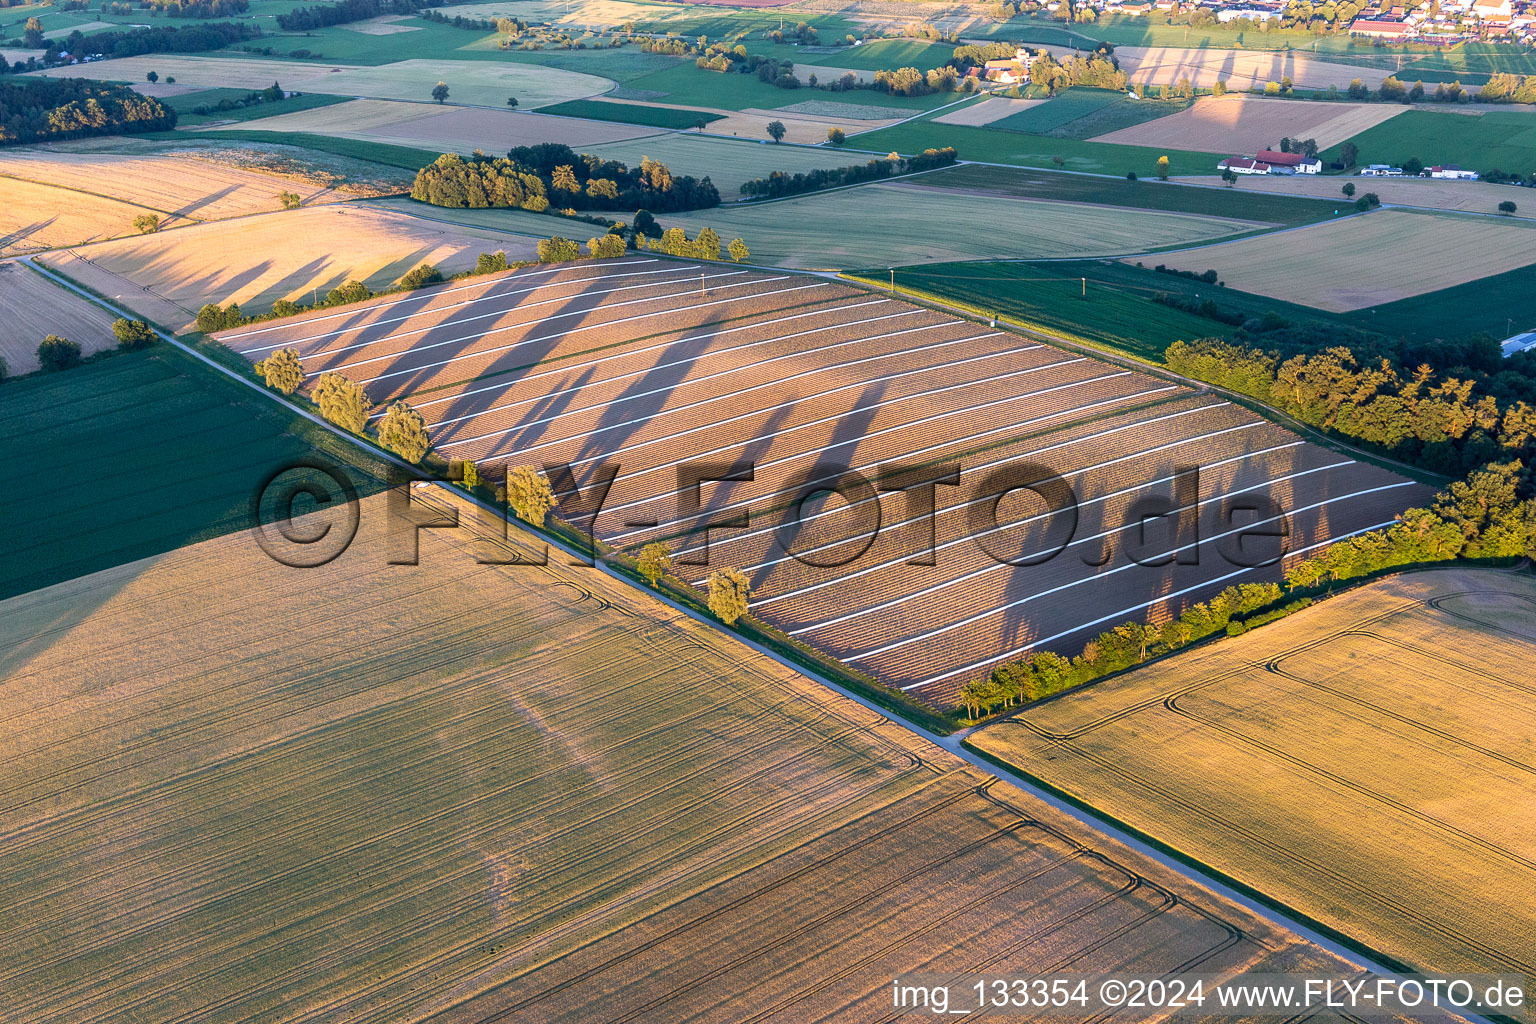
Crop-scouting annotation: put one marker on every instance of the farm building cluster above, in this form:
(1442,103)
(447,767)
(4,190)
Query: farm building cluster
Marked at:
(1270,161)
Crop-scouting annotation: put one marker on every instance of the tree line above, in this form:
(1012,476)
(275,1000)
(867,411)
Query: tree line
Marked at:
(216,35)
(1437,421)
(1482,517)
(550,174)
(70,108)
(304,19)
(781,184)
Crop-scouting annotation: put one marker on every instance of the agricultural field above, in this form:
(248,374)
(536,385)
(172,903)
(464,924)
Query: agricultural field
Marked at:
(635,113)
(1362,762)
(182,185)
(1358,262)
(985,112)
(1240,69)
(905,222)
(1143,195)
(38,216)
(428,126)
(1086,113)
(475,82)
(1483,139)
(525,792)
(1247,124)
(1426,193)
(991,144)
(32,307)
(257,260)
(647,364)
(165,452)
(727,162)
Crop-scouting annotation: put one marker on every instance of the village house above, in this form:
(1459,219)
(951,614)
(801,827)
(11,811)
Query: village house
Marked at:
(1451,172)
(1381,29)
(1381,171)
(1268,161)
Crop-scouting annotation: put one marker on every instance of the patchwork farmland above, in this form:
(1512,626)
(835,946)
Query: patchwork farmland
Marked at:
(1368,762)
(646,365)
(467,792)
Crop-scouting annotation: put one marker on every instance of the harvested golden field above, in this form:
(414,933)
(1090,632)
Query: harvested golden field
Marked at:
(449,129)
(295,255)
(32,307)
(35,216)
(1356,262)
(479,82)
(1240,69)
(1427,193)
(383,25)
(987,111)
(1368,762)
(181,185)
(1246,124)
(239,791)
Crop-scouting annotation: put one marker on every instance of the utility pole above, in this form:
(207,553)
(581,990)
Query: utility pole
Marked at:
(893,281)
(701,283)
(1085,287)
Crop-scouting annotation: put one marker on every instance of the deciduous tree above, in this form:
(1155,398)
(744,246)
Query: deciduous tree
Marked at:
(343,402)
(56,353)
(440,91)
(729,591)
(282,370)
(738,250)
(404,432)
(529,494)
(132,334)
(655,561)
(777,131)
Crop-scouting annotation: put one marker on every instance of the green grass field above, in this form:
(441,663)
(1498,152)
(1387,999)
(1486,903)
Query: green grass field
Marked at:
(1143,195)
(1060,111)
(187,114)
(1021,150)
(1498,306)
(1505,140)
(876,55)
(1051,296)
(685,84)
(160,452)
(630,113)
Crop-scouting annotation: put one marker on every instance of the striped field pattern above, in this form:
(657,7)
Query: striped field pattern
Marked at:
(635,371)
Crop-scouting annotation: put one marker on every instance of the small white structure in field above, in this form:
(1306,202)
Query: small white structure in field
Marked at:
(1381,171)
(1519,343)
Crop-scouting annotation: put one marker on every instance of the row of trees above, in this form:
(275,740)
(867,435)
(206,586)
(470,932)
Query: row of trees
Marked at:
(912,82)
(1482,517)
(345,403)
(69,108)
(306,19)
(704,246)
(1440,422)
(537,177)
(56,353)
(781,184)
(1095,71)
(216,35)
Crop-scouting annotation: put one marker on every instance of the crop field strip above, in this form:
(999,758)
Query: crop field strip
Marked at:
(626,372)
(1400,710)
(325,828)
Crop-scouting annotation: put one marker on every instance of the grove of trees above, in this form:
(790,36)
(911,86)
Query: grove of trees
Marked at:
(47,109)
(538,177)
(780,184)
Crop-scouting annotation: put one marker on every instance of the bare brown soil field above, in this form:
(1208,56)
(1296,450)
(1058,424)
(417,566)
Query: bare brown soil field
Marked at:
(1247,124)
(1455,196)
(182,185)
(524,793)
(647,365)
(31,307)
(987,111)
(1357,262)
(295,255)
(450,129)
(35,217)
(1240,69)
(480,82)
(1366,761)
